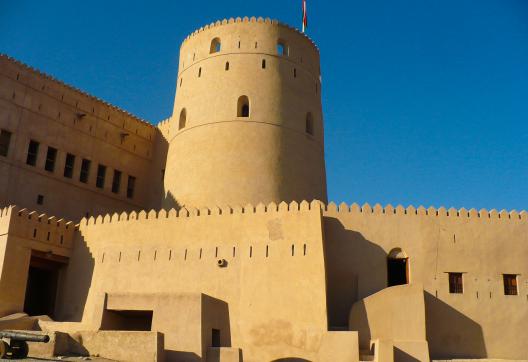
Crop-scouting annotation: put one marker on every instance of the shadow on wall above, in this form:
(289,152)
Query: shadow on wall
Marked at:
(450,333)
(355,269)
(182,356)
(169,202)
(401,356)
(73,289)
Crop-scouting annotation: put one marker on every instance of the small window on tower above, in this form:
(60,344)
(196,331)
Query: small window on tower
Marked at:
(101,172)
(309,124)
(243,106)
(510,284)
(183,119)
(32,153)
(85,170)
(216,46)
(68,165)
(131,186)
(51,156)
(227,66)
(116,182)
(456,285)
(263,63)
(282,48)
(5,139)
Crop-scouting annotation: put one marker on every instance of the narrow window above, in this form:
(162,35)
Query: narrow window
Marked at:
(216,46)
(256,45)
(309,124)
(68,165)
(40,199)
(183,119)
(85,170)
(456,285)
(243,106)
(510,284)
(199,72)
(239,44)
(282,49)
(227,66)
(294,72)
(263,63)
(116,181)
(32,153)
(51,156)
(101,172)
(131,185)
(5,140)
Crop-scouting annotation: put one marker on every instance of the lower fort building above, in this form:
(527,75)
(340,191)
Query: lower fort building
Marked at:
(209,237)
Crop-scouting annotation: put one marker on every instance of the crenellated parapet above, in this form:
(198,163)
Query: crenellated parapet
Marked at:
(330,209)
(246,19)
(35,226)
(343,208)
(260,208)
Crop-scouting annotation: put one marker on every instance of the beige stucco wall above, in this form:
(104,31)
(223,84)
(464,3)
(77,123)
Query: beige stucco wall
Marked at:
(481,322)
(276,301)
(222,159)
(36,106)
(23,233)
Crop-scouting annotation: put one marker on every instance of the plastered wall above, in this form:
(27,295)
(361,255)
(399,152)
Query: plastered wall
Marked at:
(34,106)
(483,245)
(219,158)
(274,281)
(23,233)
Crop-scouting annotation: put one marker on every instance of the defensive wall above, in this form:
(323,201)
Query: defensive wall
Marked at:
(247,107)
(24,235)
(272,264)
(480,322)
(36,107)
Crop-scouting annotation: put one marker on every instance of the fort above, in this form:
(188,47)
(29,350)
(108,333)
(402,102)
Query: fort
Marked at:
(209,237)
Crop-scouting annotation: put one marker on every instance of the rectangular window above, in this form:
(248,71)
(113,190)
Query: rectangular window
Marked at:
(101,172)
(455,283)
(51,156)
(5,140)
(510,284)
(85,170)
(116,182)
(32,153)
(130,186)
(40,199)
(68,165)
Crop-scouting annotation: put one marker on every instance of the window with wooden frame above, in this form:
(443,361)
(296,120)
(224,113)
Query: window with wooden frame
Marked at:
(510,284)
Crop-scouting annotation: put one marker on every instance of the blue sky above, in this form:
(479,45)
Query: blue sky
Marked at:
(426,101)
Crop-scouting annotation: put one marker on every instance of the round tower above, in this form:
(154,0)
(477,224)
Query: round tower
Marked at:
(247,125)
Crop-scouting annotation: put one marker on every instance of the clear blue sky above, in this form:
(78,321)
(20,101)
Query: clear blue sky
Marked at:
(426,102)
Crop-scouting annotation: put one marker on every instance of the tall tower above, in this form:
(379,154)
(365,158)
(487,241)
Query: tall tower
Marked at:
(247,125)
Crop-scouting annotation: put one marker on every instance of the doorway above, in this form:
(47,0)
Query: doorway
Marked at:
(41,287)
(397,271)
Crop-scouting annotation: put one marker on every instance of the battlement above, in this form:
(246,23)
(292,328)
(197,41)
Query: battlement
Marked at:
(69,87)
(377,209)
(272,207)
(326,209)
(36,226)
(252,19)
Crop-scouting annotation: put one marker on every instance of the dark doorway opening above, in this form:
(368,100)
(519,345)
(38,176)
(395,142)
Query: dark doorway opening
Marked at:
(215,338)
(41,287)
(397,271)
(127,320)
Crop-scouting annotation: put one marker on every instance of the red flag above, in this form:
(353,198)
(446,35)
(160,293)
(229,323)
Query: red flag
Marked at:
(304,16)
